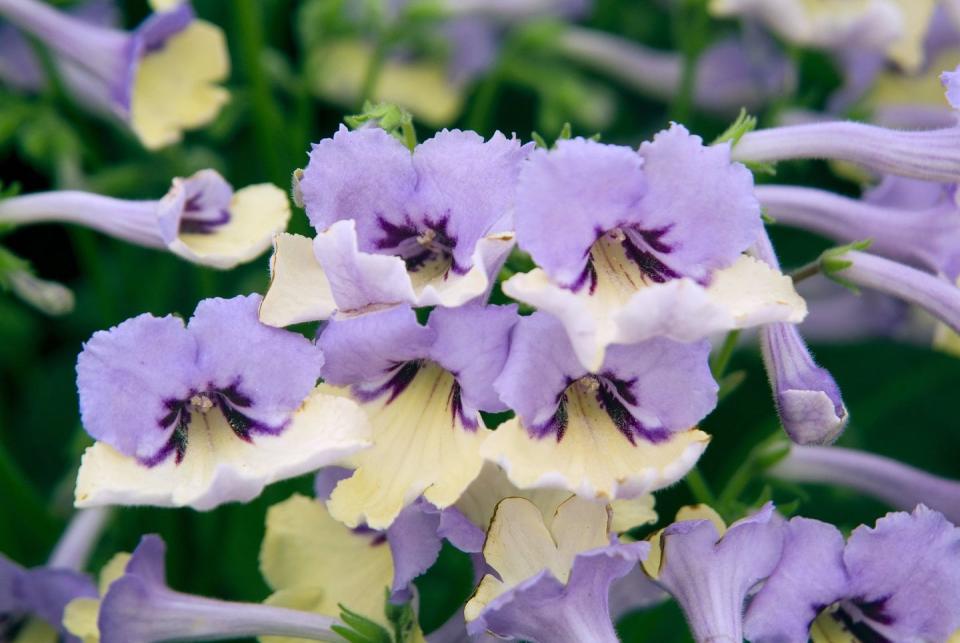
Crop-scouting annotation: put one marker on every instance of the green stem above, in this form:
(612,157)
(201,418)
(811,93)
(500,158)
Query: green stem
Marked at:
(267,120)
(699,488)
(807,271)
(372,74)
(690,24)
(720,361)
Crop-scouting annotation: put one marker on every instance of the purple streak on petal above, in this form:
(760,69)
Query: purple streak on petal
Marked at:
(544,609)
(206,207)
(809,577)
(569,196)
(932,155)
(925,232)
(935,295)
(905,573)
(899,485)
(472,342)
(370,348)
(711,576)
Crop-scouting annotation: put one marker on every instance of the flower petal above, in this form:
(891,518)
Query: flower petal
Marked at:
(299,290)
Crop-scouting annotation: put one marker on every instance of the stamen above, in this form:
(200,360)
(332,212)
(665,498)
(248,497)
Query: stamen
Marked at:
(426,237)
(616,235)
(201,402)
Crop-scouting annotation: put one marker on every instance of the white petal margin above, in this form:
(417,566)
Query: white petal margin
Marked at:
(419,447)
(257,213)
(748,293)
(521,544)
(299,290)
(361,280)
(594,459)
(218,467)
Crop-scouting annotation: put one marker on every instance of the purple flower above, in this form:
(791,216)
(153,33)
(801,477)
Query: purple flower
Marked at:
(731,74)
(911,221)
(41,592)
(159,79)
(710,569)
(808,399)
(422,388)
(637,245)
(181,417)
(138,607)
(428,228)
(899,485)
(553,575)
(620,432)
(898,581)
(200,219)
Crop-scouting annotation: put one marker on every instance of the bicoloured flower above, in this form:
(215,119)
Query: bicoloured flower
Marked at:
(136,606)
(204,413)
(710,568)
(314,563)
(553,575)
(428,228)
(897,581)
(915,222)
(200,219)
(160,79)
(730,75)
(32,601)
(930,155)
(895,28)
(897,484)
(422,388)
(808,399)
(633,245)
(622,431)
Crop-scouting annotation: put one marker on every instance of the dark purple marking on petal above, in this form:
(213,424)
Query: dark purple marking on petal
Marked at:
(587,276)
(653,238)
(177,444)
(199,220)
(400,376)
(419,245)
(456,408)
(608,395)
(649,264)
(874,610)
(860,630)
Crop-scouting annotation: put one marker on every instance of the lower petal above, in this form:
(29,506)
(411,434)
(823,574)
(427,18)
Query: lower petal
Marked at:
(219,467)
(420,446)
(451,290)
(299,291)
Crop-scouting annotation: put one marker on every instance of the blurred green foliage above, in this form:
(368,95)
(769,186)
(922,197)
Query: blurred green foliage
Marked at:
(900,397)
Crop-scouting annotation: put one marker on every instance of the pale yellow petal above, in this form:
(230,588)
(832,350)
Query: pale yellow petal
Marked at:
(419,447)
(299,291)
(315,562)
(80,619)
(176,87)
(908,50)
(593,459)
(628,513)
(257,214)
(754,293)
(112,571)
(219,467)
(37,631)
(826,629)
(449,289)
(702,512)
(580,525)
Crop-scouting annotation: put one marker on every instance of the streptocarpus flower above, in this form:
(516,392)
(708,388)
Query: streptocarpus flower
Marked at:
(910,221)
(205,413)
(930,155)
(200,219)
(633,245)
(553,575)
(428,228)
(159,79)
(620,432)
(808,399)
(33,600)
(897,581)
(899,485)
(731,74)
(709,568)
(138,607)
(314,563)
(893,27)
(422,388)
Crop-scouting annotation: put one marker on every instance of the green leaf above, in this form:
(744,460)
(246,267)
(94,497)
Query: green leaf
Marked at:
(744,123)
(402,618)
(10,263)
(833,261)
(565,132)
(539,140)
(360,629)
(393,119)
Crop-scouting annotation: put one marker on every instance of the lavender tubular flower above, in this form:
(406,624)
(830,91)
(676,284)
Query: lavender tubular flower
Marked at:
(182,418)
(160,79)
(730,74)
(901,486)
(808,399)
(938,297)
(932,155)
(428,228)
(919,233)
(200,219)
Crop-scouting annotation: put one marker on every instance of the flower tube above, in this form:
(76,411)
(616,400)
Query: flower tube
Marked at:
(200,219)
(159,79)
(899,485)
